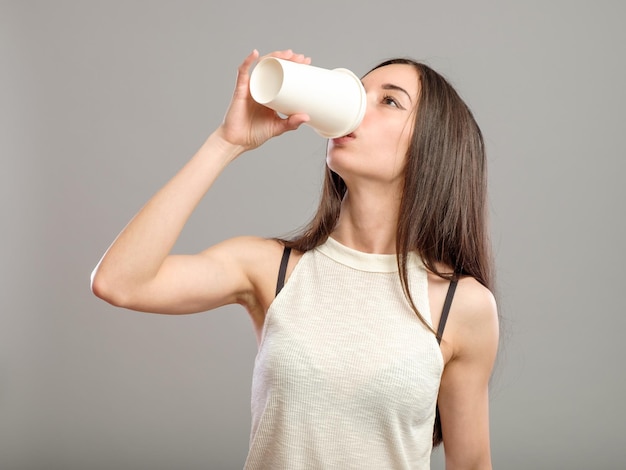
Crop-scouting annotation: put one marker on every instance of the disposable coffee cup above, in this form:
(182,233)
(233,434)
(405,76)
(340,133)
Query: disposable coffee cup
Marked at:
(335,99)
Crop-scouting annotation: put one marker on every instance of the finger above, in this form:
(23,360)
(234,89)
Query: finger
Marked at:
(288,54)
(300,58)
(278,54)
(243,72)
(244,68)
(295,120)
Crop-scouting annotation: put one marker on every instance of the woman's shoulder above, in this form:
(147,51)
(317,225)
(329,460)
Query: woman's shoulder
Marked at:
(473,316)
(258,256)
(475,301)
(258,259)
(255,242)
(258,249)
(476,294)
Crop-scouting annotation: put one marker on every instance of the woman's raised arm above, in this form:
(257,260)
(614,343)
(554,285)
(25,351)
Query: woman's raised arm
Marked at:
(138,272)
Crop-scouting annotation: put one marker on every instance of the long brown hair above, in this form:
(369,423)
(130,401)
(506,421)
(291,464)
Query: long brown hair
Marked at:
(443,208)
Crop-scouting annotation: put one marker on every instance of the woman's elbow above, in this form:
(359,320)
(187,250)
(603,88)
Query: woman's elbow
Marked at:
(104,288)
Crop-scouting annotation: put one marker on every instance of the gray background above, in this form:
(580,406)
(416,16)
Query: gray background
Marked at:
(101,102)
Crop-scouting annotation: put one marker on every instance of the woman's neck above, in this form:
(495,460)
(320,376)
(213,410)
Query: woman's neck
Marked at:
(368,221)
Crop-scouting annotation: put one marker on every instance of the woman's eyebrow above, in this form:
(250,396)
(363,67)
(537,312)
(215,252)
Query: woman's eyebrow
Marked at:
(391,86)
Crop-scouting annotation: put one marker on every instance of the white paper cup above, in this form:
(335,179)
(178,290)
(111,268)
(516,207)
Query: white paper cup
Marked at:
(335,100)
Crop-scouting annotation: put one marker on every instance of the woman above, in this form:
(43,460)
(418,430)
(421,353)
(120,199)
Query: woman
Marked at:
(353,363)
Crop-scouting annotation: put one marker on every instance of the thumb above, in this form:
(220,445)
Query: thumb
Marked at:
(295,120)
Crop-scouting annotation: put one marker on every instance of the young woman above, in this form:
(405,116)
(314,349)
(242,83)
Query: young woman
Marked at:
(354,368)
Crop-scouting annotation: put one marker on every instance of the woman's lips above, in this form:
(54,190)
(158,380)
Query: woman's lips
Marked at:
(344,139)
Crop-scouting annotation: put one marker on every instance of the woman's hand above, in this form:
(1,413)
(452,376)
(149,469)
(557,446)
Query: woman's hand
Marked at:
(249,124)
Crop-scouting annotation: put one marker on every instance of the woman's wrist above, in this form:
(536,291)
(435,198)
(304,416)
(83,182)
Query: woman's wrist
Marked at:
(220,145)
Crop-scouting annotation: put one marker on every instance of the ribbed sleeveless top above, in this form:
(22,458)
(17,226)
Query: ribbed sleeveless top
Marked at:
(346,375)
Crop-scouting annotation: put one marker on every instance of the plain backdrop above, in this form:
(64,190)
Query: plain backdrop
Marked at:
(102,102)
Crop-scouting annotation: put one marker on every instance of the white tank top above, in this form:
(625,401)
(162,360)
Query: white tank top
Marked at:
(346,376)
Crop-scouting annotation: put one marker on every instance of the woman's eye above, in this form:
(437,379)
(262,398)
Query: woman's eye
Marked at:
(391,101)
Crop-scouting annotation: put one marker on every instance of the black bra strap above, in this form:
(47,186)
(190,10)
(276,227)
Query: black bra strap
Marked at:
(446,308)
(282,271)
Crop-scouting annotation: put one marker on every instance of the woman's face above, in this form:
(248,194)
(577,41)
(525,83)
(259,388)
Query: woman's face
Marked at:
(377,149)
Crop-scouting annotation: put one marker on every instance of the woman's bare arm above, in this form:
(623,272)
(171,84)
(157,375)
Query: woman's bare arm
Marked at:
(138,272)
(472,333)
